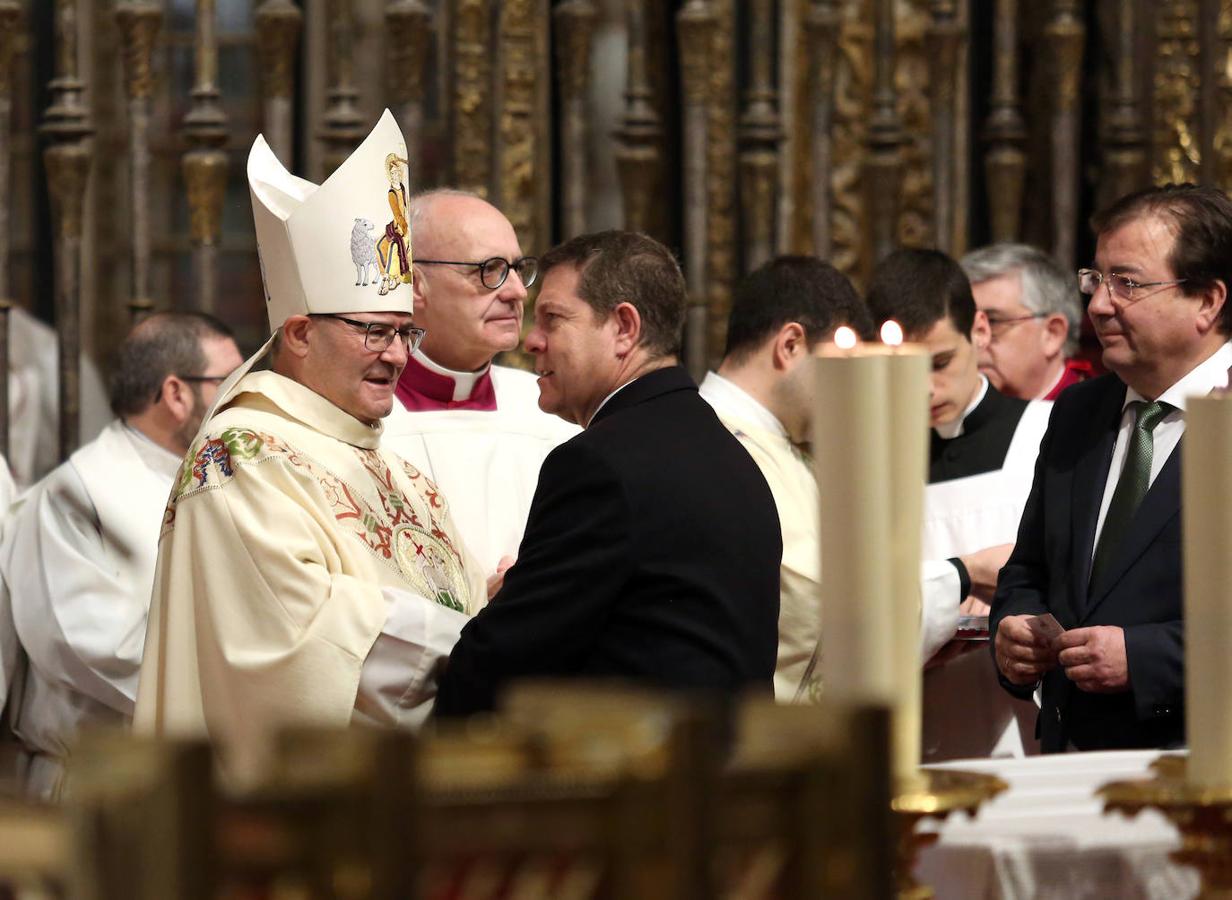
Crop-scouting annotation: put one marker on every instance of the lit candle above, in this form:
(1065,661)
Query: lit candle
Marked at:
(851,453)
(1207,530)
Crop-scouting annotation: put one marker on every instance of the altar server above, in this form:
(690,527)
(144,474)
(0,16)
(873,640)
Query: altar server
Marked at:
(306,574)
(79,549)
(981,461)
(473,427)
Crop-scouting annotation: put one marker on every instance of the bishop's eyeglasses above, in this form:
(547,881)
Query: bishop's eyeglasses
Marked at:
(495,269)
(378,336)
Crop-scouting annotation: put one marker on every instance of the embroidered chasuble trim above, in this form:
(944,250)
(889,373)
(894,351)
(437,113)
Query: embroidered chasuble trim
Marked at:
(422,554)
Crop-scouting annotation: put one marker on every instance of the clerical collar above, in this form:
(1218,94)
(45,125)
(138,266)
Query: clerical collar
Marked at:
(426,386)
(951,430)
(729,396)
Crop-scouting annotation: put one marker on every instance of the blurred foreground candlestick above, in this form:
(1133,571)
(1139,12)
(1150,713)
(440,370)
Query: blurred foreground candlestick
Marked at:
(870,451)
(1207,530)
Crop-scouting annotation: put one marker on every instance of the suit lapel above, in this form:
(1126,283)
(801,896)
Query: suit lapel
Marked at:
(1090,477)
(1161,504)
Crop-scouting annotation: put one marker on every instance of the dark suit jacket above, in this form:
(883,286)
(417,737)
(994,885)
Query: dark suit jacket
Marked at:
(651,553)
(1050,569)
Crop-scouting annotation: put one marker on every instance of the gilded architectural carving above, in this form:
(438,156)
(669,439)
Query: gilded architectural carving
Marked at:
(520,128)
(813,117)
(409,36)
(139,22)
(472,95)
(1005,163)
(1177,154)
(343,126)
(943,39)
(638,154)
(573,24)
(1124,143)
(1065,35)
(278,24)
(760,133)
(722,255)
(1223,134)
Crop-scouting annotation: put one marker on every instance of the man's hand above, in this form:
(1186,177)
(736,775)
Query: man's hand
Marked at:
(1094,658)
(983,566)
(1021,656)
(497,581)
(974,606)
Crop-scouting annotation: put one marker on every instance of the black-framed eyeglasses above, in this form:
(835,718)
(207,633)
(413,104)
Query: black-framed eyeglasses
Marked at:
(378,336)
(495,269)
(194,379)
(1122,287)
(1000,324)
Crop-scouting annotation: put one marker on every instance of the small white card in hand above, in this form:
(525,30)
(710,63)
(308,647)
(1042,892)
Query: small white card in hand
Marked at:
(1045,628)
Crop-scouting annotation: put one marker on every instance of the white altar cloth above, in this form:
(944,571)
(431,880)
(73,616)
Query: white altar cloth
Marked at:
(1047,838)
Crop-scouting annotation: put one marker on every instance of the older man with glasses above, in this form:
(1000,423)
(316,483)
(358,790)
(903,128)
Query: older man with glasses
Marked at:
(1034,317)
(473,427)
(1099,546)
(307,574)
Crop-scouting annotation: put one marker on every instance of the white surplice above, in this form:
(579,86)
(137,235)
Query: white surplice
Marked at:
(486,462)
(293,546)
(34,400)
(789,472)
(967,714)
(78,563)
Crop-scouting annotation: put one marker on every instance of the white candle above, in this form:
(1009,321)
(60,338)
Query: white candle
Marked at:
(851,453)
(908,369)
(1207,531)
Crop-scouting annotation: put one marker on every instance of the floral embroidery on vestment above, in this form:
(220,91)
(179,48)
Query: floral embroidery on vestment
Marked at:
(422,551)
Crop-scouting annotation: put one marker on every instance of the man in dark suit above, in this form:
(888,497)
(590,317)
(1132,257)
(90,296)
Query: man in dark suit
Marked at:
(1099,546)
(652,547)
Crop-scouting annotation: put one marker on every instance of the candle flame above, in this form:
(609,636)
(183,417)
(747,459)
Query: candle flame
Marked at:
(891,333)
(844,338)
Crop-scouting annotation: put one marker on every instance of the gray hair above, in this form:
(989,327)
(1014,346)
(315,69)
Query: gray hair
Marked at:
(1046,287)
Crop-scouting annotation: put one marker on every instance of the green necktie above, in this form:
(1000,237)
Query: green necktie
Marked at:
(1131,487)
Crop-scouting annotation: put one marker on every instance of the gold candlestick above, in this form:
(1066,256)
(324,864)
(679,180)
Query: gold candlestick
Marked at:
(1202,814)
(933,794)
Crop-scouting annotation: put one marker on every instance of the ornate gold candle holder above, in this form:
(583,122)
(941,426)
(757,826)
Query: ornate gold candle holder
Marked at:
(1202,814)
(932,794)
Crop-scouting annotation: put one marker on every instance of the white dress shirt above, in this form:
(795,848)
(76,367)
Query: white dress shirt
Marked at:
(1212,374)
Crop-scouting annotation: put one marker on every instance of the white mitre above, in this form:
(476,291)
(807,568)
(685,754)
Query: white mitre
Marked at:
(324,248)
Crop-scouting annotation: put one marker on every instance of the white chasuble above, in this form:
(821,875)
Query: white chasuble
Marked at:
(78,562)
(290,538)
(485,461)
(967,714)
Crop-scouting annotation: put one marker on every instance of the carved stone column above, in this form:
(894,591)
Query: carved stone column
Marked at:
(205,163)
(1005,163)
(471,96)
(278,24)
(523,119)
(944,38)
(139,22)
(408,36)
(760,133)
(1065,34)
(10,20)
(67,158)
(343,125)
(882,175)
(1124,142)
(823,24)
(638,156)
(695,30)
(573,26)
